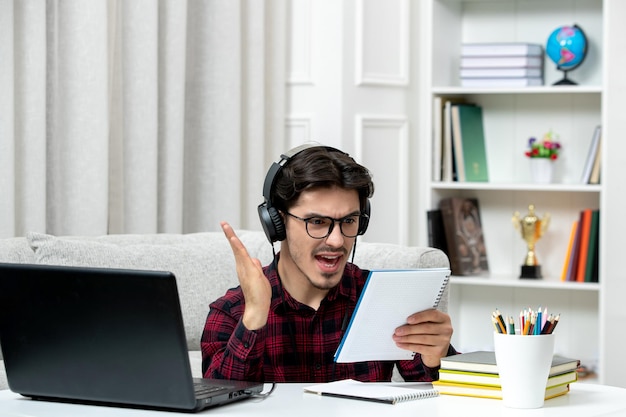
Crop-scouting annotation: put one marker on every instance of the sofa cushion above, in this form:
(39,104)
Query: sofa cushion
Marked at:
(15,250)
(203,263)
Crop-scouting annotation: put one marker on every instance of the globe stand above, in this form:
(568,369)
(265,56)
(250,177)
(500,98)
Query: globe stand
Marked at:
(565,80)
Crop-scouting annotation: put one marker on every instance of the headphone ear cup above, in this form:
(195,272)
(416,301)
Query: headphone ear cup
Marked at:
(365,220)
(272,223)
(279,226)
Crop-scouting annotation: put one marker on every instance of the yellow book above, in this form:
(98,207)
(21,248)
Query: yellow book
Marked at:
(568,255)
(482,391)
(493,380)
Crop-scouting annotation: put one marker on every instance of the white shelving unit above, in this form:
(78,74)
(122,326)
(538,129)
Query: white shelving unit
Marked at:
(511,116)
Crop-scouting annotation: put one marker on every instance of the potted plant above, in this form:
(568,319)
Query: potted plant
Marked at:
(542,153)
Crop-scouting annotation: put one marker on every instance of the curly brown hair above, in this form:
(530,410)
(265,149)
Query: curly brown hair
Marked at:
(320,166)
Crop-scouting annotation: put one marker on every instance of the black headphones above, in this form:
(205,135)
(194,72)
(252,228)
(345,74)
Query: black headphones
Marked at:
(271,220)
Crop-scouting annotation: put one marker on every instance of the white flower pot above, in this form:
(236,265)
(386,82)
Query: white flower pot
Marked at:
(541,170)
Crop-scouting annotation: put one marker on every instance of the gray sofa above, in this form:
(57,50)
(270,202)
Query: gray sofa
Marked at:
(202,262)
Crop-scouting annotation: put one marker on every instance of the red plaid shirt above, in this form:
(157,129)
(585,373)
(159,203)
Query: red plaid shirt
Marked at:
(298,343)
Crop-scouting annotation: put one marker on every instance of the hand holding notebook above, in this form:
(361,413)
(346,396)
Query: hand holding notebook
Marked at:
(388,298)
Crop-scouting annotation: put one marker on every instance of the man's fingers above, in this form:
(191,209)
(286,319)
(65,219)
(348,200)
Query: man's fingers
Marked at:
(242,257)
(236,245)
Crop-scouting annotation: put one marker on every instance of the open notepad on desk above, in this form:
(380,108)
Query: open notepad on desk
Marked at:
(373,391)
(389,297)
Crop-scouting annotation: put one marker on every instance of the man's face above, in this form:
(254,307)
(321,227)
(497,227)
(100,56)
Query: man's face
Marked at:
(318,262)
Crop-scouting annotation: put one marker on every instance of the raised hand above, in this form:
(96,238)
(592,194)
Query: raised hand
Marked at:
(256,288)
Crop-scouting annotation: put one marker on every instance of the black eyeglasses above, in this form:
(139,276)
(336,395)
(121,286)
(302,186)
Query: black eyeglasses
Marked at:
(320,227)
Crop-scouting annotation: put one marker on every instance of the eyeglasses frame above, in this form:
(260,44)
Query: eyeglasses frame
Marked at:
(306,221)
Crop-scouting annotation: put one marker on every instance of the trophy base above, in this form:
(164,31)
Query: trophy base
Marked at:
(531,272)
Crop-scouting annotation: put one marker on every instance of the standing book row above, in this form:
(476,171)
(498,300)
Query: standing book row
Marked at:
(591,169)
(455,227)
(475,374)
(501,64)
(459,150)
(581,259)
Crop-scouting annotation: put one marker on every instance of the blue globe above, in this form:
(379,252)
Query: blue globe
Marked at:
(567,47)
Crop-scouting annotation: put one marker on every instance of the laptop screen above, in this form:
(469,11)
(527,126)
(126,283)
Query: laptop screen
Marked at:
(93,334)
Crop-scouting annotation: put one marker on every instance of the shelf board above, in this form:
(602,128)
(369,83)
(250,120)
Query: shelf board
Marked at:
(495,186)
(525,283)
(546,89)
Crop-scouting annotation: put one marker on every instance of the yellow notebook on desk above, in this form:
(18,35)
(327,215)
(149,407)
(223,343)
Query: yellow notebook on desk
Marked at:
(482,391)
(373,391)
(493,380)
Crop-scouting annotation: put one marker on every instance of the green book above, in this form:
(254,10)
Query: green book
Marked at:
(472,140)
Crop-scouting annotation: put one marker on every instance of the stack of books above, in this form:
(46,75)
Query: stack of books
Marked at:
(501,64)
(591,170)
(475,374)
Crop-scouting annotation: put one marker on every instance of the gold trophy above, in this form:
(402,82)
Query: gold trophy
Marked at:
(531,228)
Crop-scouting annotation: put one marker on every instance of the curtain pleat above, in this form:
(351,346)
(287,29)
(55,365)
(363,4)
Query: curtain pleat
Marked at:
(78,130)
(266,74)
(213,116)
(30,114)
(8,222)
(137,116)
(172,66)
(140,114)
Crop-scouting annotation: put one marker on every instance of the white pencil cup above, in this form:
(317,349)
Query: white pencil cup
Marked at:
(524,363)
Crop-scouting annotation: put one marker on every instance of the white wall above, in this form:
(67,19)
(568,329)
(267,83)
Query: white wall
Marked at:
(351,85)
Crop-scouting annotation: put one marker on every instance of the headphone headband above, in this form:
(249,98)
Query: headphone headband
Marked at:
(271,220)
(272,173)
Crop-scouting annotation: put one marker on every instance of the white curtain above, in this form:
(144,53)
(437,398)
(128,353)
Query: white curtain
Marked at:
(138,116)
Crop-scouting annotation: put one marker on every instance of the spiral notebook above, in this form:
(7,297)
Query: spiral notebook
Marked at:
(373,391)
(388,298)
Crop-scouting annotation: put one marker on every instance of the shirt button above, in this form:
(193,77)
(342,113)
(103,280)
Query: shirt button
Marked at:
(318,366)
(246,345)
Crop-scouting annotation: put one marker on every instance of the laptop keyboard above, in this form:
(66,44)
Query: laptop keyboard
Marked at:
(204,389)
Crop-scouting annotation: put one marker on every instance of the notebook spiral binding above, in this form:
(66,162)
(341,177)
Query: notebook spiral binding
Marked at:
(418,395)
(441,291)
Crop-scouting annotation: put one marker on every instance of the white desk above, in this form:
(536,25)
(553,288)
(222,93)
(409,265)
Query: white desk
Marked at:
(584,400)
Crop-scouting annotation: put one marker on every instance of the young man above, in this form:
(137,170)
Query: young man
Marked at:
(285,320)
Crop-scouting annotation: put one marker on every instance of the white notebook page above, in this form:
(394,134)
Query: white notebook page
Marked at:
(388,298)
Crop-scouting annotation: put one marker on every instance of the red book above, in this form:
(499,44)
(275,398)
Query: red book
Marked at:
(585,228)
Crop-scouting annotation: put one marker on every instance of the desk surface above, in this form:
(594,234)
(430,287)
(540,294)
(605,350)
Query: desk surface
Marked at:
(584,400)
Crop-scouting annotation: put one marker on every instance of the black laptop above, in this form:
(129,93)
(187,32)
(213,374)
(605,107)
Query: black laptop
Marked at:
(102,336)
